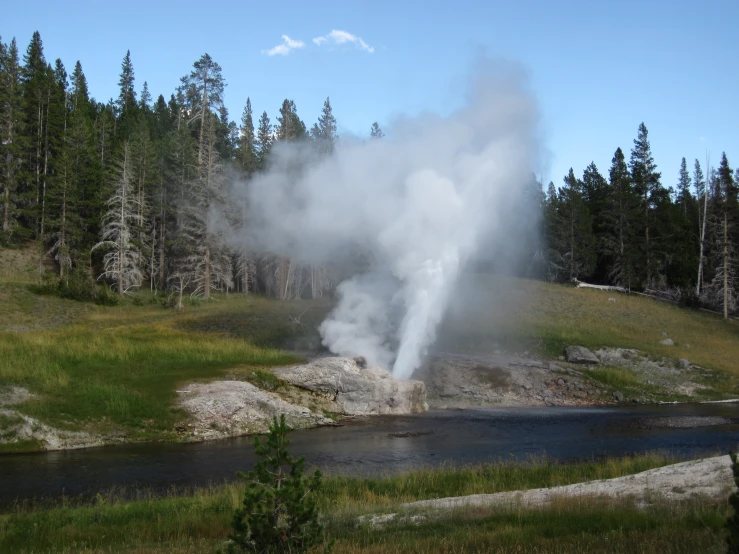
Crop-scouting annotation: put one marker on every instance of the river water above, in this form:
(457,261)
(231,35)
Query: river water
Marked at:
(377,445)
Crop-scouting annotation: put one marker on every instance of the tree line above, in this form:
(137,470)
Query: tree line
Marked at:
(123,190)
(628,229)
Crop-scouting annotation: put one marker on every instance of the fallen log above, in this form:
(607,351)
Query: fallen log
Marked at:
(581,285)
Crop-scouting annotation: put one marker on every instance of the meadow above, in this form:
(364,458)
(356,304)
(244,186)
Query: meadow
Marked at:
(199,520)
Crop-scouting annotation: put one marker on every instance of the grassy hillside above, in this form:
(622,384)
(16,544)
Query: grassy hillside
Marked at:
(116,369)
(525,314)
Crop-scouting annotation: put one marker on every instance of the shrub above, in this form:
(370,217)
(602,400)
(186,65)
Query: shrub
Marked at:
(78,285)
(264,379)
(105,297)
(278,513)
(50,284)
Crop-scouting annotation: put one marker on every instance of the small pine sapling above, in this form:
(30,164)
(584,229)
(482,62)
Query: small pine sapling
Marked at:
(732,523)
(278,512)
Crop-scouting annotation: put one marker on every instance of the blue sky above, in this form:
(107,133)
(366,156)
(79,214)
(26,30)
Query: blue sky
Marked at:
(597,68)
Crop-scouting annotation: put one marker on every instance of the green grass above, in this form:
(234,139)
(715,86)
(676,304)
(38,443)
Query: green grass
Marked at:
(521,314)
(200,522)
(569,527)
(119,367)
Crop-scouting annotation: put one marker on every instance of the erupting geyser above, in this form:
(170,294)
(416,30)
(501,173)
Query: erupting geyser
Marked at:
(415,206)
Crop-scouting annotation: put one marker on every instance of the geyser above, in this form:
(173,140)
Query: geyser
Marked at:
(415,206)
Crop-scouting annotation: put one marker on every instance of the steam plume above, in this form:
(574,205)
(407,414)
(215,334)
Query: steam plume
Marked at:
(417,206)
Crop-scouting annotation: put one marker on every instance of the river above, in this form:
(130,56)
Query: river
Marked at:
(377,445)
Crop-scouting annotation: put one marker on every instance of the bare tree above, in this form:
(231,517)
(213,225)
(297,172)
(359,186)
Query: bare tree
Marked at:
(701,187)
(180,281)
(122,262)
(206,260)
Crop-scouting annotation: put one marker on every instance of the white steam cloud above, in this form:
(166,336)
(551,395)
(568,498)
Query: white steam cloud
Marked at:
(414,207)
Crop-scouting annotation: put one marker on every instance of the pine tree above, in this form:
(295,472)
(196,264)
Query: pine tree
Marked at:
(86,170)
(145,100)
(376,132)
(202,91)
(732,523)
(123,262)
(646,182)
(162,119)
(683,187)
(264,140)
(278,513)
(37,82)
(679,220)
(289,126)
(144,179)
(248,160)
(324,132)
(555,265)
(126,102)
(247,152)
(63,219)
(724,285)
(595,192)
(10,148)
(572,233)
(620,212)
(701,192)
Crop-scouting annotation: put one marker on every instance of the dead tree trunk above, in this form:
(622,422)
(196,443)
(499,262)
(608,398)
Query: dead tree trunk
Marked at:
(726,264)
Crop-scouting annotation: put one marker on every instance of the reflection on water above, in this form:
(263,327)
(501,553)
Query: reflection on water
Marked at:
(367,446)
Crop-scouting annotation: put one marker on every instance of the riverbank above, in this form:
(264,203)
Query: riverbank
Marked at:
(199,520)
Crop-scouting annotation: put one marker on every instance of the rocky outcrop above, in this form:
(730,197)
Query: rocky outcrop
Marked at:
(580,355)
(501,379)
(231,408)
(307,396)
(351,389)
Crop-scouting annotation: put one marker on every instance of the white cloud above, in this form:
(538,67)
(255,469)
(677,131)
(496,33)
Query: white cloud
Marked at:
(342,37)
(284,48)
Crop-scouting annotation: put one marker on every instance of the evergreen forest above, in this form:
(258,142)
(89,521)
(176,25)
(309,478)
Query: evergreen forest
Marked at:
(121,192)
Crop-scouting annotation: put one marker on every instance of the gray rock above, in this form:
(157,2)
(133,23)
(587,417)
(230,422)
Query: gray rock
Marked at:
(580,394)
(618,396)
(667,342)
(580,355)
(231,408)
(561,382)
(685,364)
(357,391)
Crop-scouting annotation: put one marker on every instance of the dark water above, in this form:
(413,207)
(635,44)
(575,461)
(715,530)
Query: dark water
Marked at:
(376,445)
